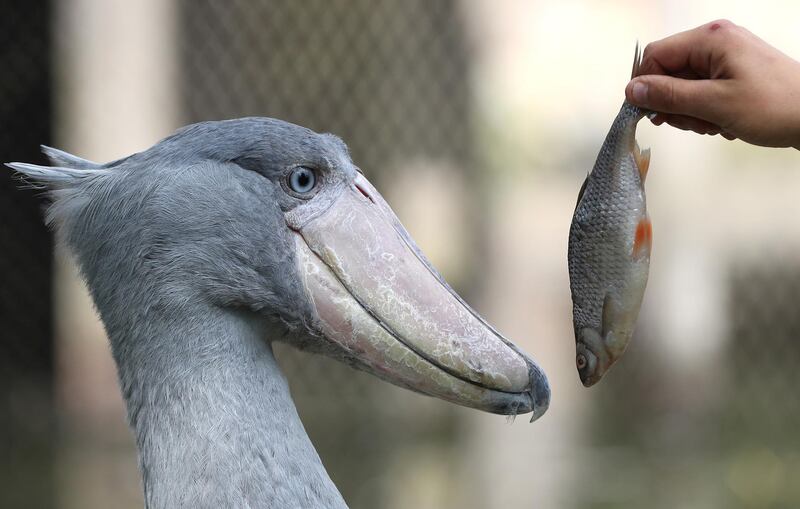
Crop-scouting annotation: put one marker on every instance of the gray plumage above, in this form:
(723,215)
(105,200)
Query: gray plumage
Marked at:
(61,158)
(186,253)
(201,250)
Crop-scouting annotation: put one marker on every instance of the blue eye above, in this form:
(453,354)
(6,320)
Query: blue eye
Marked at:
(302,180)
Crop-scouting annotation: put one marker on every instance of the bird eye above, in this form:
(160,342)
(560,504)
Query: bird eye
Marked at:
(581,361)
(302,180)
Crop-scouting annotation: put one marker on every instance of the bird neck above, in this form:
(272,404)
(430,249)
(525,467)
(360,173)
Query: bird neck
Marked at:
(215,424)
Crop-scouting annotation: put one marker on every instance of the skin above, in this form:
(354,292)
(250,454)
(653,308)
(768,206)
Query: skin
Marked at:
(720,78)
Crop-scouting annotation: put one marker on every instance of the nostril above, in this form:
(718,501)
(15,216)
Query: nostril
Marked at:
(364,192)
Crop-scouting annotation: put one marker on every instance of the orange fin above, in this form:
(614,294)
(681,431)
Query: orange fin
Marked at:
(643,240)
(642,158)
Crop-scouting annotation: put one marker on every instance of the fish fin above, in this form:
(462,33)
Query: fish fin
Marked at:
(583,190)
(609,311)
(643,238)
(637,60)
(642,159)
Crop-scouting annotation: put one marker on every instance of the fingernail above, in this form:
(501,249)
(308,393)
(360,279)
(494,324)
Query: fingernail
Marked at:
(639,92)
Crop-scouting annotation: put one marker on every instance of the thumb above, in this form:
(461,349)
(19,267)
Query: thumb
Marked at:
(666,94)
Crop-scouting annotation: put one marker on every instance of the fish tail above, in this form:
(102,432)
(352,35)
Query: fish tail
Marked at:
(631,110)
(637,60)
(622,135)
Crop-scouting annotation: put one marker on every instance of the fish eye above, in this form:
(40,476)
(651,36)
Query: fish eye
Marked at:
(581,361)
(302,180)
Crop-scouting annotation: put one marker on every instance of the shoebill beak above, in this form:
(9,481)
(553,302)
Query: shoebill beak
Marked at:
(378,298)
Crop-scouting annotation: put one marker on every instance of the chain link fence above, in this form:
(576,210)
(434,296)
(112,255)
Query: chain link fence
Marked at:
(391,79)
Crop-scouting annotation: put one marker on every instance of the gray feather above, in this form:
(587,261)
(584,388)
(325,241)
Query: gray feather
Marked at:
(52,177)
(61,158)
(191,266)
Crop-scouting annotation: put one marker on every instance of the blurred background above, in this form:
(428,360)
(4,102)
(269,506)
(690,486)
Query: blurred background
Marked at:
(478,121)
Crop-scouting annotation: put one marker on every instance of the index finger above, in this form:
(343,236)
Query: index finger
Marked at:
(689,54)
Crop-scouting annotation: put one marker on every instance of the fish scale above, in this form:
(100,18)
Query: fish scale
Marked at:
(609,247)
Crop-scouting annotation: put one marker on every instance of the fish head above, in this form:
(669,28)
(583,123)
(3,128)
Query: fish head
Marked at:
(592,358)
(586,363)
(595,354)
(598,348)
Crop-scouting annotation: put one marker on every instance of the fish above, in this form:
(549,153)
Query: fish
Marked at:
(610,240)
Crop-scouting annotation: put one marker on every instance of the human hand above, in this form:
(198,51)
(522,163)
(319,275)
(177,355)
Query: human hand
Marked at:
(720,78)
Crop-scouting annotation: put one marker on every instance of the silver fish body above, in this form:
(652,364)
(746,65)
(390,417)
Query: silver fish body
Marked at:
(609,249)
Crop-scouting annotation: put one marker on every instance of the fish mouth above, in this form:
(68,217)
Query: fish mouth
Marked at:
(381,302)
(594,357)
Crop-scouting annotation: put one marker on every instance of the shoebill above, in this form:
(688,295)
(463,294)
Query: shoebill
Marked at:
(226,236)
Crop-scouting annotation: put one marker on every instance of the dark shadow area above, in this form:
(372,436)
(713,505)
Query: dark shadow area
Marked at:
(26,348)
